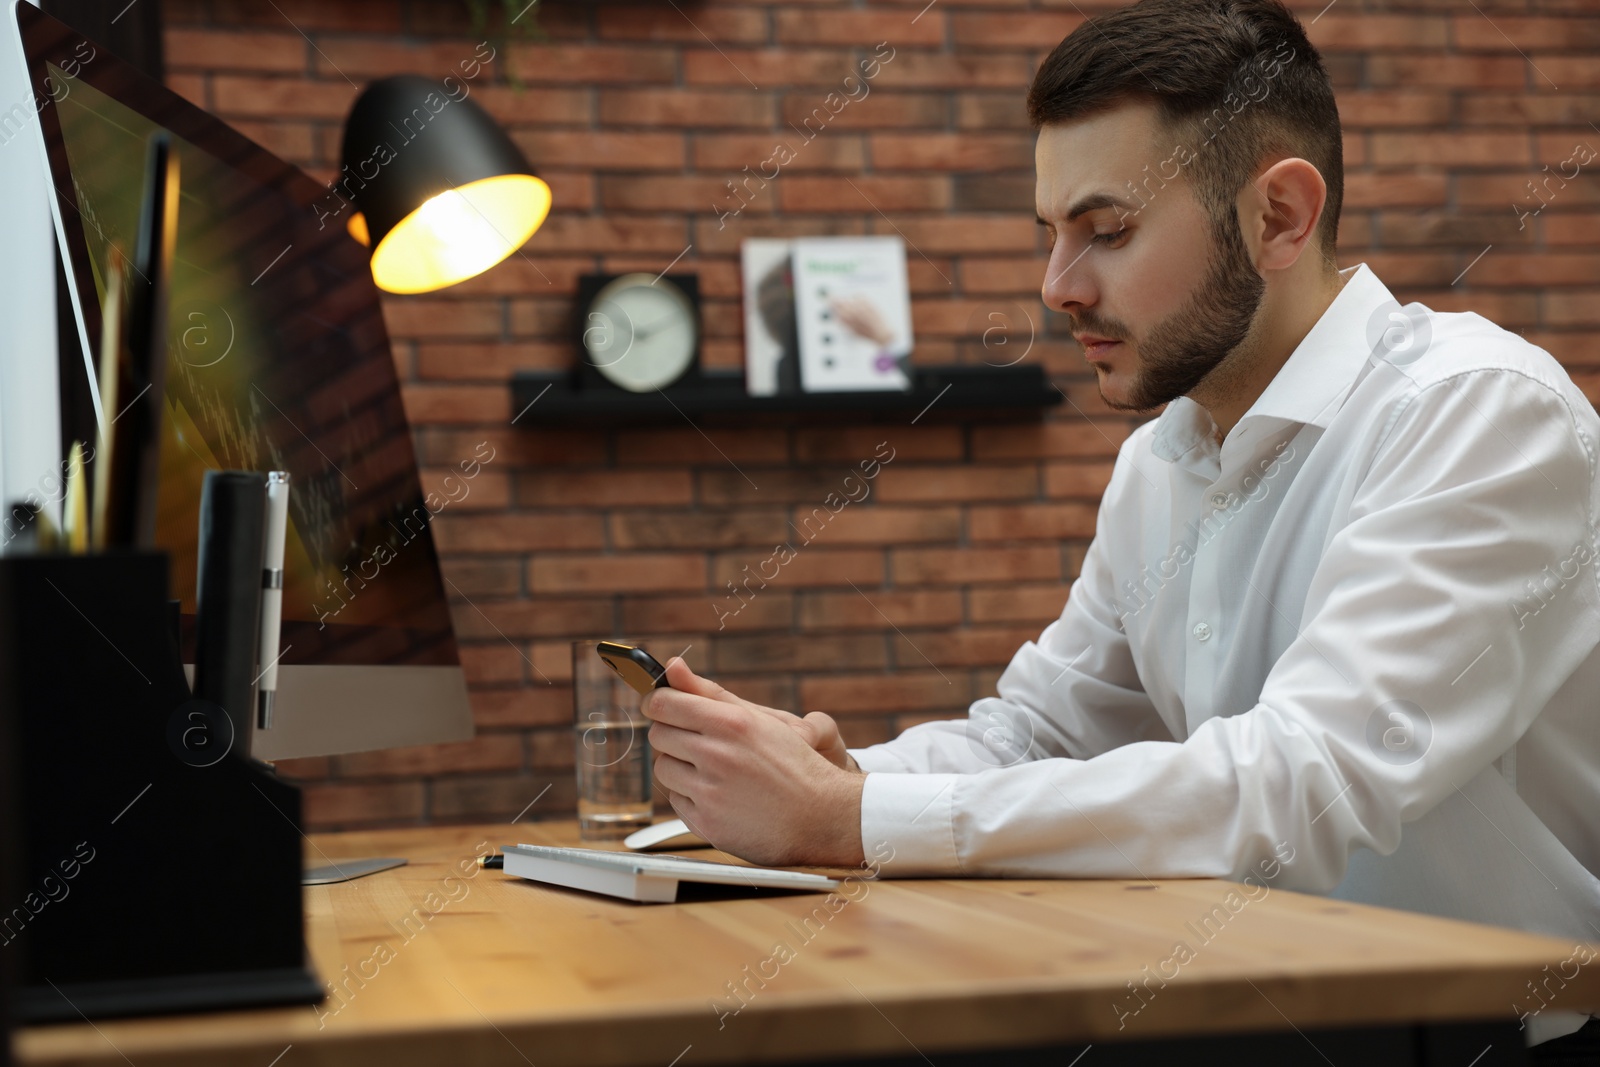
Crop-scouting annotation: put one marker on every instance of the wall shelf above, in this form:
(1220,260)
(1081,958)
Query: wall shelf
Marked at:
(546,398)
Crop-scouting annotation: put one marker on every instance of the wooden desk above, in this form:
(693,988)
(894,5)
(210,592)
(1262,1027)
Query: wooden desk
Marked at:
(439,969)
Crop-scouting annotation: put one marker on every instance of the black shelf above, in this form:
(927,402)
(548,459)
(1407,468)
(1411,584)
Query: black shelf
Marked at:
(558,399)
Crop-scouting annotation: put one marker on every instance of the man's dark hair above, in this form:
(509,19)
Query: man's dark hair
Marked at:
(1233,80)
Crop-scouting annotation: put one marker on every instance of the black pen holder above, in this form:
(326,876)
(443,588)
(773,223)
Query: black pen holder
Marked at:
(153,867)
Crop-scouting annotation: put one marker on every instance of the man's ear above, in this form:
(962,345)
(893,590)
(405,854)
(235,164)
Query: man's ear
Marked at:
(1279,212)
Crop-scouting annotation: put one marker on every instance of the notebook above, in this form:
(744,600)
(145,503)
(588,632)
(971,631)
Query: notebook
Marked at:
(652,879)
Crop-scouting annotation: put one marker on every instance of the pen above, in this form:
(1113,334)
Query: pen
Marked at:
(492,863)
(272,594)
(75,512)
(110,382)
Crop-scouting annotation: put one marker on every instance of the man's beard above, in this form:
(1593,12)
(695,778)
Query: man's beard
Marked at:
(1188,345)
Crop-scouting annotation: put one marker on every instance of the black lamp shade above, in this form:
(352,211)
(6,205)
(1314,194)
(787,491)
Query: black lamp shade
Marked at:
(441,193)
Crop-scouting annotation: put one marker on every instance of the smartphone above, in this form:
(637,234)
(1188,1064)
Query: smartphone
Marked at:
(636,666)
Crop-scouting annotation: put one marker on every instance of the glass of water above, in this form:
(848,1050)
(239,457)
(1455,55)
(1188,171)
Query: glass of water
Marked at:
(613,750)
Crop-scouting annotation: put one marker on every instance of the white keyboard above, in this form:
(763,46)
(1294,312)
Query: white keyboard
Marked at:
(643,877)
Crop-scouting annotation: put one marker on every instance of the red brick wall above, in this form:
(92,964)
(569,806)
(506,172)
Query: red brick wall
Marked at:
(907,605)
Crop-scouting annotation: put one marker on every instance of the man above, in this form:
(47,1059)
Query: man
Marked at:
(1339,620)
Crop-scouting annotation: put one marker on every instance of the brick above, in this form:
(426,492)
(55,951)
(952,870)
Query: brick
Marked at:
(456,403)
(667,192)
(1048,440)
(1364,31)
(368,16)
(790,652)
(1027,522)
(806,151)
(192,87)
(967,233)
(426,317)
(1011,30)
(1075,479)
(602,150)
(512,532)
(956,566)
(343,806)
(533,705)
(491,361)
(1451,149)
(1039,604)
(876,525)
(482,577)
(877,110)
(567,63)
(1511,33)
(852,445)
(928,483)
(1367,190)
(718,611)
(1447,72)
(652,22)
(304,769)
(1452,229)
(879,693)
(1394,108)
(993,192)
(875,609)
(991,111)
(595,235)
(798,193)
(952,151)
(958,648)
(713,446)
(765,67)
(280,98)
(496,664)
(1515,109)
(485,752)
(508,620)
(602,488)
(536,105)
(705,529)
(489,490)
(194,49)
(1512,268)
(1579,307)
(1411,268)
(922,70)
(858,29)
(622,572)
(485,797)
(700,109)
(812,564)
(551,749)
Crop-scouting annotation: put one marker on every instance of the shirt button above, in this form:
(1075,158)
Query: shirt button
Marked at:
(1202,631)
(1219,500)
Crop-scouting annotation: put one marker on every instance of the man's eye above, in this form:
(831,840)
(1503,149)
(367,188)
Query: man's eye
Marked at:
(1111,239)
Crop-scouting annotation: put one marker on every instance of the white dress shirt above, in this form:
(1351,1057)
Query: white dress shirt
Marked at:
(1351,651)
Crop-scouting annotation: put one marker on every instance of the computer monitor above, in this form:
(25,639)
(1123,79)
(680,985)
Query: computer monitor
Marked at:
(277,360)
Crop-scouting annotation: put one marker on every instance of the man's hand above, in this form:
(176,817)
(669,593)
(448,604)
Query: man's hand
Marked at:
(764,784)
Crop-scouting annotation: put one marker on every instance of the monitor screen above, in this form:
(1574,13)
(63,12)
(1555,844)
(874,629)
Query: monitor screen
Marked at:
(277,357)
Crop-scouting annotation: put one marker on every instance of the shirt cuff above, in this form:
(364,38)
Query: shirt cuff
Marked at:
(910,816)
(878,758)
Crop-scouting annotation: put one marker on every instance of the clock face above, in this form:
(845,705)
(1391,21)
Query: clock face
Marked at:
(640,332)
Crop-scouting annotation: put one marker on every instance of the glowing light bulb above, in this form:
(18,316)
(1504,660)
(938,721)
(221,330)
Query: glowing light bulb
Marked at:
(460,233)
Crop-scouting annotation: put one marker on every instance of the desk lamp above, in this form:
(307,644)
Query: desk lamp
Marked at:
(441,193)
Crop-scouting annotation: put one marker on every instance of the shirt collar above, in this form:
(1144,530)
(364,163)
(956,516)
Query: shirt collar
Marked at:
(1311,384)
